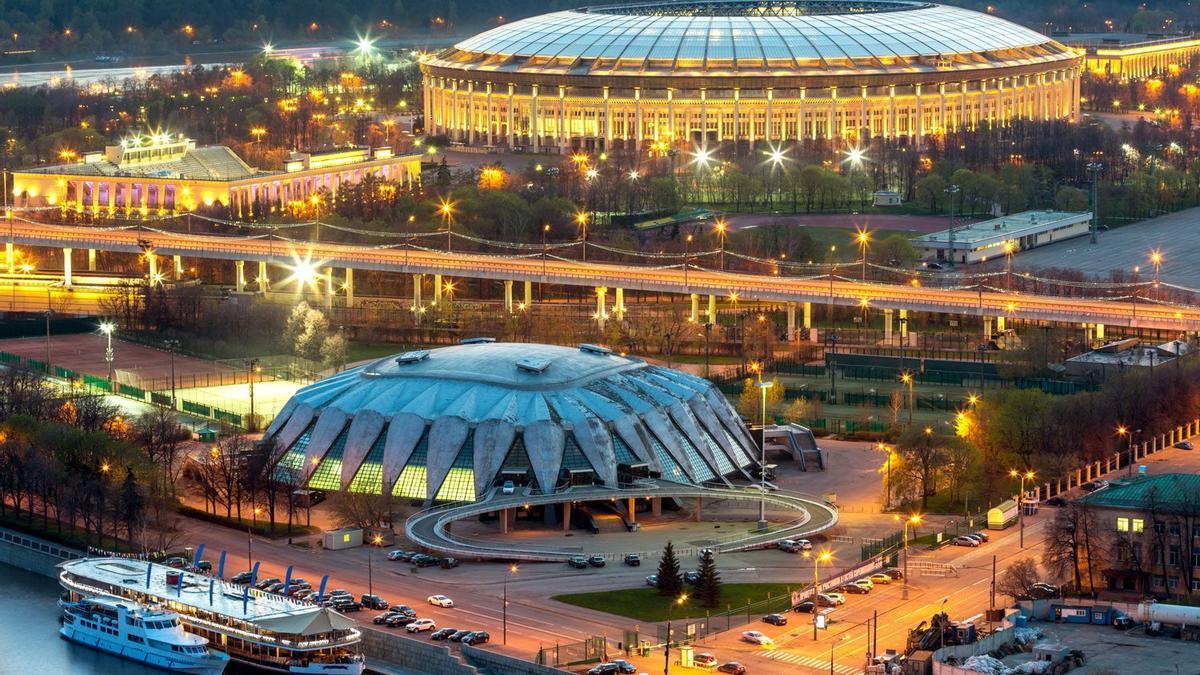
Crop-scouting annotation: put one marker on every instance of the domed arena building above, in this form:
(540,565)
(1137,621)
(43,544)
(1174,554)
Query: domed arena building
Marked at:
(449,424)
(643,76)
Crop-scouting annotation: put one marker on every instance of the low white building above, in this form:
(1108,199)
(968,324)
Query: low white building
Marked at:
(987,239)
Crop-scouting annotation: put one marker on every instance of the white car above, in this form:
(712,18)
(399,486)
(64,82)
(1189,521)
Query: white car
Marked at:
(508,488)
(757,638)
(865,584)
(421,625)
(839,598)
(394,555)
(965,541)
(440,601)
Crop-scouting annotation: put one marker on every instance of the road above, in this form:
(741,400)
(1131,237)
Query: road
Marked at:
(690,279)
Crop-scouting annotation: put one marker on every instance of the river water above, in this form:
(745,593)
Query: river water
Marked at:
(29,641)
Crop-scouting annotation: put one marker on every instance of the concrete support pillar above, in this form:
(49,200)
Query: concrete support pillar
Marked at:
(601,306)
(528,295)
(656,506)
(1087,334)
(791,322)
(566,523)
(10,258)
(1000,323)
(695,314)
(619,305)
(504,520)
(263,281)
(1099,331)
(632,505)
(887,326)
(808,316)
(349,287)
(712,308)
(904,326)
(67,267)
(697,513)
(437,290)
(328,287)
(91,260)
(178,259)
(152,262)
(417,279)
(241,275)
(508,301)
(987,327)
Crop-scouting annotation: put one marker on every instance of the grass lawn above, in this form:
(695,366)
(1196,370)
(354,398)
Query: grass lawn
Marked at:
(843,238)
(258,526)
(645,604)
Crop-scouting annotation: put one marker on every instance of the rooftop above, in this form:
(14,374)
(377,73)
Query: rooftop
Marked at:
(1131,352)
(158,156)
(1168,493)
(1118,39)
(986,232)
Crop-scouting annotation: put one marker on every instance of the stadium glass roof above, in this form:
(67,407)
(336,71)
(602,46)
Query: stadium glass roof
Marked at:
(753,32)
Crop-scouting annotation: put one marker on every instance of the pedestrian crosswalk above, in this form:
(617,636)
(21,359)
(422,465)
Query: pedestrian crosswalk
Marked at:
(813,662)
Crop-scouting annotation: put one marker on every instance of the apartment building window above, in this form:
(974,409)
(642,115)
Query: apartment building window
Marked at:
(1139,525)
(1122,524)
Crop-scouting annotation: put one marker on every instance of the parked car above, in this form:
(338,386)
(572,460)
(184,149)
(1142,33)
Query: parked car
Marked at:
(176,562)
(826,600)
(398,620)
(381,619)
(508,488)
(448,563)
(440,601)
(275,587)
(1056,501)
(596,561)
(477,638)
(624,666)
(982,534)
(633,559)
(204,566)
(395,555)
(804,607)
(1041,590)
(347,605)
(1094,486)
(425,560)
(652,580)
(1185,445)
(691,577)
(757,638)
(374,602)
(1123,622)
(459,635)
(406,556)
(603,669)
(264,583)
(578,562)
(965,541)
(880,578)
(775,619)
(854,589)
(864,583)
(974,537)
(421,625)
(732,667)
(705,660)
(894,572)
(442,633)
(839,598)
(338,592)
(242,577)
(788,546)
(405,610)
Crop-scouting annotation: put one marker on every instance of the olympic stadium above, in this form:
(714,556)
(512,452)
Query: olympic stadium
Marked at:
(656,75)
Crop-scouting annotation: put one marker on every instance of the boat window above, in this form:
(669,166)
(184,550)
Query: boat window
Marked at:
(136,638)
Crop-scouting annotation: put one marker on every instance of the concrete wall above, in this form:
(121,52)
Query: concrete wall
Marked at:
(33,554)
(493,662)
(407,654)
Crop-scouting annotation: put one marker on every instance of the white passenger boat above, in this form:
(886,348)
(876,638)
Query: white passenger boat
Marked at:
(147,635)
(260,629)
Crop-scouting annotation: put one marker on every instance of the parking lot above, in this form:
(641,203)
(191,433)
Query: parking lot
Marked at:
(1108,650)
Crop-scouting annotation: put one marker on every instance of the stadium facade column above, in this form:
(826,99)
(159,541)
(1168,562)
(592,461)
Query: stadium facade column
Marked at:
(566,520)
(637,114)
(800,122)
(830,129)
(920,114)
(1000,323)
(889,129)
(632,506)
(942,107)
(511,112)
(508,302)
(471,112)
(808,316)
(903,326)
(619,304)
(656,506)
(698,511)
(349,284)
(263,281)
(1099,331)
(240,265)
(564,134)
(152,264)
(887,326)
(737,117)
(864,122)
(770,104)
(67,267)
(488,104)
(608,127)
(534,131)
(671,115)
(91,260)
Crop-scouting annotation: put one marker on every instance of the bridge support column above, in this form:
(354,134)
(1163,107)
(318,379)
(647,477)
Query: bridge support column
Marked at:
(1087,334)
(504,516)
(566,516)
(437,290)
(791,322)
(152,262)
(349,282)
(619,304)
(601,309)
(508,302)
(1001,324)
(695,314)
(887,326)
(632,506)
(178,267)
(328,287)
(528,295)
(808,316)
(1099,331)
(67,267)
(263,281)
(712,309)
(416,306)
(91,260)
(10,257)
(697,513)
(241,275)
(656,506)
(904,327)
(987,327)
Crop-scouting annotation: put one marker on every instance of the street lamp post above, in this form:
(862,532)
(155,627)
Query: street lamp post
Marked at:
(722,229)
(1156,258)
(687,252)
(762,464)
(545,249)
(582,219)
(953,192)
(252,367)
(667,649)
(108,328)
(907,379)
(1009,249)
(1094,168)
(512,569)
(375,543)
(172,347)
(887,486)
(914,519)
(823,557)
(1123,431)
(863,237)
(1021,501)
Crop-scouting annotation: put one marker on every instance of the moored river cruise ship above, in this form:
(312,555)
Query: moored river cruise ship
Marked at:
(264,630)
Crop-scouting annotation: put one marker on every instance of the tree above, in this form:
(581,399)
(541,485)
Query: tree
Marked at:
(357,509)
(708,586)
(1016,580)
(930,189)
(750,400)
(333,351)
(306,331)
(670,581)
(922,453)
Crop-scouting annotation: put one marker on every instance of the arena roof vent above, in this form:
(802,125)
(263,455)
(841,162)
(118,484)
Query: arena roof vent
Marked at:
(412,357)
(594,349)
(477,341)
(533,364)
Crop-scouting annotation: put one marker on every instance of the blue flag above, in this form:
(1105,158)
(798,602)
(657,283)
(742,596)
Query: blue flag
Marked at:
(245,599)
(287,580)
(321,592)
(211,582)
(149,567)
(179,585)
(199,552)
(254,574)
(221,566)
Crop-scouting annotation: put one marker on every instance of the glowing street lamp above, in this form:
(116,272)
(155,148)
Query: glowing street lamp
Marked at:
(855,157)
(763,386)
(822,557)
(722,229)
(1156,259)
(107,329)
(914,519)
(1021,499)
(581,219)
(862,237)
(446,209)
(376,541)
(364,46)
(776,156)
(1009,249)
(702,157)
(512,571)
(906,378)
(677,602)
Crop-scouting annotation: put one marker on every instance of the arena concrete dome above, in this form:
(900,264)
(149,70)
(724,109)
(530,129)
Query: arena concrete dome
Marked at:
(653,75)
(448,424)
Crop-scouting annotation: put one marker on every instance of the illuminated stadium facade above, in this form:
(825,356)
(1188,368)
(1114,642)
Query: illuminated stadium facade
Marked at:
(638,76)
(449,424)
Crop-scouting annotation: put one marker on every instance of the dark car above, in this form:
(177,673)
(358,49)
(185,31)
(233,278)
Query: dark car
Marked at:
(241,577)
(399,620)
(604,669)
(1122,622)
(894,572)
(732,667)
(442,633)
(805,607)
(374,602)
(578,562)
(275,587)
(633,559)
(459,635)
(448,563)
(204,566)
(596,561)
(1042,591)
(624,666)
(477,638)
(176,562)
(347,605)
(691,577)
(407,556)
(852,588)
(263,583)
(381,619)
(775,619)
(405,610)
(425,560)
(1056,501)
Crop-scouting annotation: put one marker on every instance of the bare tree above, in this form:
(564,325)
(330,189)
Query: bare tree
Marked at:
(161,435)
(1016,580)
(356,509)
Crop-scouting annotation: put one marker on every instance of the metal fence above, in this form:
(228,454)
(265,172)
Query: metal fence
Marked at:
(568,654)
